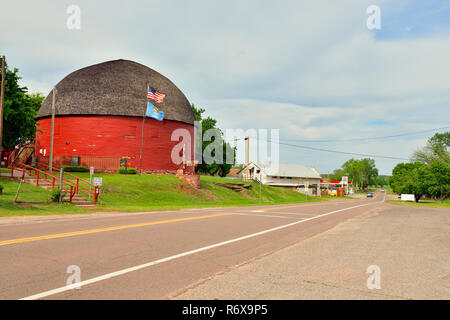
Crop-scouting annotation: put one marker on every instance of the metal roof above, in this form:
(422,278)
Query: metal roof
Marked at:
(289,170)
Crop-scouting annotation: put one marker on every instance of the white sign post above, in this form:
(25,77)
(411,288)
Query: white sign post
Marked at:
(345,183)
(98,181)
(91,173)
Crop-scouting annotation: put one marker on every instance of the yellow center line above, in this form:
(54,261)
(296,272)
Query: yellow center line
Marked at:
(83,232)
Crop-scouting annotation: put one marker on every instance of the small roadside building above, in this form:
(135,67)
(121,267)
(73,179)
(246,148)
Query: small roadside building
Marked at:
(332,187)
(301,178)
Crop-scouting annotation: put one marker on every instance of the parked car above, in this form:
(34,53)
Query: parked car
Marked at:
(369,195)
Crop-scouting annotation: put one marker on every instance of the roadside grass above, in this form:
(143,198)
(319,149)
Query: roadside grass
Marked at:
(131,193)
(423,203)
(31,200)
(167,192)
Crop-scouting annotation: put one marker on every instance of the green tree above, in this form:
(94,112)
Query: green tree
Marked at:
(439,179)
(337,174)
(380,181)
(19,110)
(411,178)
(197,113)
(361,172)
(437,148)
(223,168)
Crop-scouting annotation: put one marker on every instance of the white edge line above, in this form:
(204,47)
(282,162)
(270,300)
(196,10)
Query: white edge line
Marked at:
(187,253)
(261,215)
(295,214)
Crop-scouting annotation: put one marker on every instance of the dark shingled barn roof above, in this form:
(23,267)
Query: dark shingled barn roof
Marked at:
(116,88)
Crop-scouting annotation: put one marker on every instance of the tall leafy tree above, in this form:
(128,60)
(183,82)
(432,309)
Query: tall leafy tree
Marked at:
(430,173)
(437,148)
(19,110)
(410,178)
(361,172)
(337,174)
(420,179)
(223,168)
(439,185)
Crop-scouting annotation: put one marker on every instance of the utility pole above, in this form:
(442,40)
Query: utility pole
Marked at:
(248,151)
(50,163)
(1,101)
(143,124)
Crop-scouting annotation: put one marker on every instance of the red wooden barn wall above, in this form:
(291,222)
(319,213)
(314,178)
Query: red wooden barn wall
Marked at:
(102,140)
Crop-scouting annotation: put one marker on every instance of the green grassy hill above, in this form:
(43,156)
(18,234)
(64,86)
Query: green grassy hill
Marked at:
(150,192)
(31,200)
(155,192)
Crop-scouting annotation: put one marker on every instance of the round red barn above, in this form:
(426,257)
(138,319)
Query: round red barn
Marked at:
(99,115)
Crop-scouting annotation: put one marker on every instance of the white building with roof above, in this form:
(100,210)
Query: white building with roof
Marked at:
(302,178)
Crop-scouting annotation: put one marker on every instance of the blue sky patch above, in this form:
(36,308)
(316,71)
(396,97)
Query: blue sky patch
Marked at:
(406,19)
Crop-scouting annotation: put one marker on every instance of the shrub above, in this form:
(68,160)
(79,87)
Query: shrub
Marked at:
(129,170)
(55,194)
(75,169)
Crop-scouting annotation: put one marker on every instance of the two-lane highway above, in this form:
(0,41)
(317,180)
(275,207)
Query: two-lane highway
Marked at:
(153,255)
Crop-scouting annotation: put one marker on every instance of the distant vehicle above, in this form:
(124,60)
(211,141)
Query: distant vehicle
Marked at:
(369,195)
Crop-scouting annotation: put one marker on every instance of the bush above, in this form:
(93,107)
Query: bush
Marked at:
(75,169)
(129,170)
(55,194)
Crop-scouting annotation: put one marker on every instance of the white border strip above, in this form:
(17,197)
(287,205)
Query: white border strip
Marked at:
(184,254)
(261,215)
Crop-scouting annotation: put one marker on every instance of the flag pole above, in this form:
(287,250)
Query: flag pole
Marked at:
(142,134)
(52,130)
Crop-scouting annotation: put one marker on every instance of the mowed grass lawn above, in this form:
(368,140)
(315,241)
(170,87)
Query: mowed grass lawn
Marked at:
(147,193)
(423,203)
(30,201)
(158,192)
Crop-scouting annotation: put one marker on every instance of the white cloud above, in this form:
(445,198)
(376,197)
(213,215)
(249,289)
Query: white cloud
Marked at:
(311,69)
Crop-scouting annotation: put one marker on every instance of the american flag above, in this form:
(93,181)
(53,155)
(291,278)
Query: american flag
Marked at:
(155,95)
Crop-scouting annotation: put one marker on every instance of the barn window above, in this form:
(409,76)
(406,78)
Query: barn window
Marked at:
(75,161)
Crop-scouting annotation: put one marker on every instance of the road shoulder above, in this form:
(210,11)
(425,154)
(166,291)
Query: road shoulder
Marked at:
(408,244)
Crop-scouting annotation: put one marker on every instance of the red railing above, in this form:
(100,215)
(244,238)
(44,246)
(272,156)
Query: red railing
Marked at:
(23,146)
(89,187)
(67,185)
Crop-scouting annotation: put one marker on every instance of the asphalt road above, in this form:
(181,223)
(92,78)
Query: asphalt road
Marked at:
(409,246)
(154,255)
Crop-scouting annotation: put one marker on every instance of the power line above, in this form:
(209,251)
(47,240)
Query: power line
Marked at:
(353,139)
(370,138)
(332,151)
(340,152)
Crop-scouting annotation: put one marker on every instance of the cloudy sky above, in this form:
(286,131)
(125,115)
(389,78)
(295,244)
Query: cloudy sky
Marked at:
(309,68)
